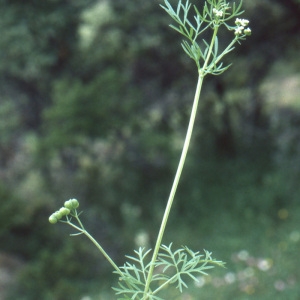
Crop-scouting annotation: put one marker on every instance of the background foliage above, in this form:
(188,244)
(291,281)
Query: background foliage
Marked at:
(94,102)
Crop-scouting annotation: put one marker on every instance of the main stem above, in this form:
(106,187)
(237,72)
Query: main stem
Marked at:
(175,183)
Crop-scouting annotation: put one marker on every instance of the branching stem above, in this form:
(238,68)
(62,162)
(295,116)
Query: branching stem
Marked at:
(185,148)
(215,16)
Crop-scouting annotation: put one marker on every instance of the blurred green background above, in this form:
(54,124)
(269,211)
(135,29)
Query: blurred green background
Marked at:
(95,97)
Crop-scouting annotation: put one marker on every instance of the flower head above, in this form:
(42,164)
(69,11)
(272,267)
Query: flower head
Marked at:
(239,30)
(240,27)
(241,22)
(217,13)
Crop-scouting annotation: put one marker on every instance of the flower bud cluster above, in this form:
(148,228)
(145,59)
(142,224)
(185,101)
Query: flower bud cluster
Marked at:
(240,29)
(63,211)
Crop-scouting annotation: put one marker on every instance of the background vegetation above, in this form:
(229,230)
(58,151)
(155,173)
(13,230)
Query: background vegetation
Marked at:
(94,102)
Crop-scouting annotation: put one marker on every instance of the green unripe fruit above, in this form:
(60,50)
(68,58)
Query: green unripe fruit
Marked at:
(53,219)
(58,215)
(65,211)
(68,204)
(75,203)
(71,204)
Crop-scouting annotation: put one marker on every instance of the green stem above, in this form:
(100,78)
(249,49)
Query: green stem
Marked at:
(227,50)
(175,183)
(185,148)
(213,39)
(166,283)
(83,231)
(103,252)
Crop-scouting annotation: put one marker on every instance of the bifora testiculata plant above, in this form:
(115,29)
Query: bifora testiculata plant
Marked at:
(148,272)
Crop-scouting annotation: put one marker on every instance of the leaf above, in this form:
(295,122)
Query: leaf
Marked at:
(184,262)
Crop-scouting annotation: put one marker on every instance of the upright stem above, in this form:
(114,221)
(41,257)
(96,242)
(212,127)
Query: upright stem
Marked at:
(202,73)
(175,183)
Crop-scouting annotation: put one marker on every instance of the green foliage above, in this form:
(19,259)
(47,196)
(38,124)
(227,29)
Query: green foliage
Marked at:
(176,265)
(42,36)
(184,262)
(9,122)
(45,52)
(10,211)
(74,263)
(214,15)
(80,109)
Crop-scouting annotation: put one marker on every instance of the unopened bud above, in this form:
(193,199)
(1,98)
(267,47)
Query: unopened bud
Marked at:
(247,31)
